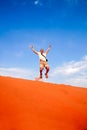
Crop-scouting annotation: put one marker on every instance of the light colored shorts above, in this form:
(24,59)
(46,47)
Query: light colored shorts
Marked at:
(43,64)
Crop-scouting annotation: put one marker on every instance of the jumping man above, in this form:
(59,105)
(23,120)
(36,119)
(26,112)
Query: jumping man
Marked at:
(43,60)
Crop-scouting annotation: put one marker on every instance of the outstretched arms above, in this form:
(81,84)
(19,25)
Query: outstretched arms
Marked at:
(32,48)
(49,47)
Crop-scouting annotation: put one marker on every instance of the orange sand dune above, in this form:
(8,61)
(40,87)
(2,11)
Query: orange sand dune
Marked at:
(33,105)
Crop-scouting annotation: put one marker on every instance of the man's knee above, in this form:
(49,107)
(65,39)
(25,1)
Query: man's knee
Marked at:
(47,68)
(41,69)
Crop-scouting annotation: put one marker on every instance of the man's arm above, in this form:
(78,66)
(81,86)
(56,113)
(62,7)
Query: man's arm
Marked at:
(48,49)
(32,48)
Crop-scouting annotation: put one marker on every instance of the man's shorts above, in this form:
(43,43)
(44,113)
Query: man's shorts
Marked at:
(43,64)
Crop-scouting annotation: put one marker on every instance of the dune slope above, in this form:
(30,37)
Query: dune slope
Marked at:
(33,105)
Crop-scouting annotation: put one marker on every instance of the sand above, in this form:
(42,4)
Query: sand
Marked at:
(36,105)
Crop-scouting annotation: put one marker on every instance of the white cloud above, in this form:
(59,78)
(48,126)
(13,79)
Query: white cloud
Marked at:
(71,67)
(78,80)
(17,72)
(73,72)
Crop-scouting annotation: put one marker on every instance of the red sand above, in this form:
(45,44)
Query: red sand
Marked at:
(33,105)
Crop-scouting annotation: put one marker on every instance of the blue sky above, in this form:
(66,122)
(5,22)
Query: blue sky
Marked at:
(61,23)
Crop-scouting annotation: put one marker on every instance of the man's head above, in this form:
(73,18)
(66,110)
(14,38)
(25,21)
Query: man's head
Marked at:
(41,51)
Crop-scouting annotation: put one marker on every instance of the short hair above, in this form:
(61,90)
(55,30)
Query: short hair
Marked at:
(42,50)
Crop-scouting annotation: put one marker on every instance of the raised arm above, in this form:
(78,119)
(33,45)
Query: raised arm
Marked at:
(32,48)
(49,47)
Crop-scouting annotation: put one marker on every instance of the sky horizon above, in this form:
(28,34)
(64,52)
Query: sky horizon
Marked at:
(61,24)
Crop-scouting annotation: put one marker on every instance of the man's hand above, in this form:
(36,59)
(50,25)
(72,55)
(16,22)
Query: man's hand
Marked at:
(31,46)
(33,49)
(49,46)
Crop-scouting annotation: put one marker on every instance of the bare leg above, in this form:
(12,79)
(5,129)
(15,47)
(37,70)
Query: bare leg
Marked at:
(41,69)
(47,70)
